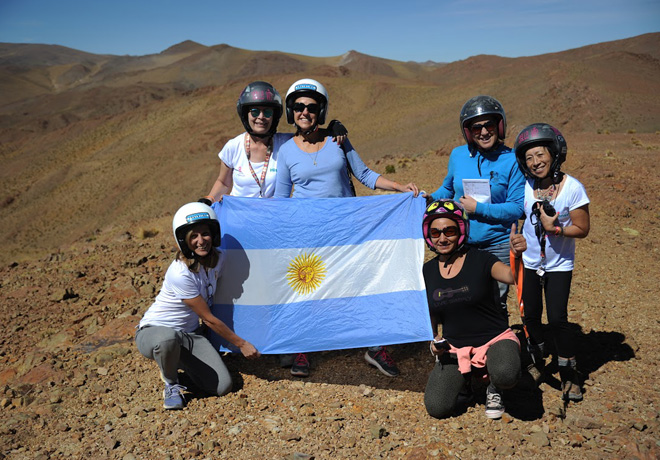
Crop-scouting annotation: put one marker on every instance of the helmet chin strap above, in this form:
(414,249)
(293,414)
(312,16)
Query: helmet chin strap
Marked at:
(309,131)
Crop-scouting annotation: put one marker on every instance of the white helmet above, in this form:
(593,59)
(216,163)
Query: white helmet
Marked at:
(192,214)
(310,88)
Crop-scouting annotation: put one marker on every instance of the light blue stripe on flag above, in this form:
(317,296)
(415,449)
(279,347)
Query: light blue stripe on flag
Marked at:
(322,274)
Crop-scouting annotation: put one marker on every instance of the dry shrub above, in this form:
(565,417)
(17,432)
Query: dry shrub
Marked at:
(144,233)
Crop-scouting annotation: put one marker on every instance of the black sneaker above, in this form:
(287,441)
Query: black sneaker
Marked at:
(300,367)
(382,361)
(494,405)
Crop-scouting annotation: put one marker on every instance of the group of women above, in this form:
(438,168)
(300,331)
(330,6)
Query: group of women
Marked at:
(473,237)
(461,281)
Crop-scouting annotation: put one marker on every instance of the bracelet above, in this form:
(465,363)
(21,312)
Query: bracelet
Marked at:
(558,230)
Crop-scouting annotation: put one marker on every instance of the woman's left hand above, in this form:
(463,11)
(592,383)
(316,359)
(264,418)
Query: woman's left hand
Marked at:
(248,350)
(469,203)
(547,221)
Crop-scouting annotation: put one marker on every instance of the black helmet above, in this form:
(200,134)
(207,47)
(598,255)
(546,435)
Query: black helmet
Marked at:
(545,135)
(478,106)
(259,93)
(310,88)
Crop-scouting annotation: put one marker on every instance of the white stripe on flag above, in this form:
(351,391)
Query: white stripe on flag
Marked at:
(374,267)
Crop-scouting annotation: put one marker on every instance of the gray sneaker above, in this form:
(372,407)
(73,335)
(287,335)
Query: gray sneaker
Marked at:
(173,395)
(382,361)
(494,405)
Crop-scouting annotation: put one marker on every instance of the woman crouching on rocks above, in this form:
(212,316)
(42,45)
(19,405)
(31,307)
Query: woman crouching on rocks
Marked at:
(170,332)
(463,296)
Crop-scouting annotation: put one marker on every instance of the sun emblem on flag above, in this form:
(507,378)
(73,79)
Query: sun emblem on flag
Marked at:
(306,272)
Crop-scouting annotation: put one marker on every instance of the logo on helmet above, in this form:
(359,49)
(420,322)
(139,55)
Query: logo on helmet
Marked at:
(197,216)
(305,86)
(433,206)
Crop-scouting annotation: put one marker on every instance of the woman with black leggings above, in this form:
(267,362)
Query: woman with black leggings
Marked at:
(557,210)
(463,296)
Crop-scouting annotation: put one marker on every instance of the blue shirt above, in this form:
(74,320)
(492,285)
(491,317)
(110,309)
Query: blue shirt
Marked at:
(328,178)
(490,224)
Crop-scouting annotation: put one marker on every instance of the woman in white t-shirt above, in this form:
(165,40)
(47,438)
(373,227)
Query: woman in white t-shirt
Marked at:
(248,162)
(170,332)
(557,211)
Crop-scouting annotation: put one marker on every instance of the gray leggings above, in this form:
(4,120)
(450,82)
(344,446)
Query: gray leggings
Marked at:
(446,382)
(173,350)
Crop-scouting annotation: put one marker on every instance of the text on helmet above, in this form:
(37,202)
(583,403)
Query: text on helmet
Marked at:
(197,216)
(305,86)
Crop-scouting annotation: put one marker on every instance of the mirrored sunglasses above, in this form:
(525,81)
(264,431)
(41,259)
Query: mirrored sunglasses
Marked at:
(267,112)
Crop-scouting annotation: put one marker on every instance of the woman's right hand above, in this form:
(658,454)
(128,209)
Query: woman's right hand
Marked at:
(249,351)
(435,350)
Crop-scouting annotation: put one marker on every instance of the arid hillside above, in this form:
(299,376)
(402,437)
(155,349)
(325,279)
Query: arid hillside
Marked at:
(73,385)
(91,142)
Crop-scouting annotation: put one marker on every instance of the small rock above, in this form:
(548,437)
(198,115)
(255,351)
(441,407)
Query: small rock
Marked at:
(504,449)
(377,431)
(290,437)
(300,456)
(539,439)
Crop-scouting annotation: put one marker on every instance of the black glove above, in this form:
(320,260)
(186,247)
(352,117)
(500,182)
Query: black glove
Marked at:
(205,200)
(337,129)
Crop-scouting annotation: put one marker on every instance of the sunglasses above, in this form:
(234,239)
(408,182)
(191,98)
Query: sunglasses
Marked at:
(267,112)
(489,125)
(311,108)
(447,231)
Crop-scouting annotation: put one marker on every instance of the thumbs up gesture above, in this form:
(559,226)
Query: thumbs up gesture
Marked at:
(517,242)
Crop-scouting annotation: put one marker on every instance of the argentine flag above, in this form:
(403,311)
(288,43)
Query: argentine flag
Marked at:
(305,275)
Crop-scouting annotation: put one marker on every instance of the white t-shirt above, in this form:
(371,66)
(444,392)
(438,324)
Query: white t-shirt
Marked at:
(234,156)
(180,283)
(559,251)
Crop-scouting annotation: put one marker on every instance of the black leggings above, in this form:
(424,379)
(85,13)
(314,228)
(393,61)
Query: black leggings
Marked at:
(557,288)
(446,382)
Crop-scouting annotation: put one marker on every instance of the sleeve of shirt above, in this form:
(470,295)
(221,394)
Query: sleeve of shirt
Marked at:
(446,189)
(227,154)
(182,281)
(512,209)
(366,176)
(283,184)
(578,196)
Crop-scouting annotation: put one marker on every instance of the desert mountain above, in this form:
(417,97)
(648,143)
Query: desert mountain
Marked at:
(90,142)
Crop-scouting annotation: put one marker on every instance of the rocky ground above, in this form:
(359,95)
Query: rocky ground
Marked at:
(73,385)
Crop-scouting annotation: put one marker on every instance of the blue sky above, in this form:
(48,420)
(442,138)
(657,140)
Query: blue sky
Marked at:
(413,30)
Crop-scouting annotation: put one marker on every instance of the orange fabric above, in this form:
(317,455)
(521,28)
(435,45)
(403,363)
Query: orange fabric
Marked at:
(471,356)
(518,275)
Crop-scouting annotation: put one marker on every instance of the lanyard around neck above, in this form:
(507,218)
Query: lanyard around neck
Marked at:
(264,170)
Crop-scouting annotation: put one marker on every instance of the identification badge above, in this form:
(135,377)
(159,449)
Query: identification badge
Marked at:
(540,272)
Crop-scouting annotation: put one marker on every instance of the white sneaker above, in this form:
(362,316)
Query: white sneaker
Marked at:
(494,405)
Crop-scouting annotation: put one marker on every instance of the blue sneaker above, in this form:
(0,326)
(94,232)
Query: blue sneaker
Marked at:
(173,395)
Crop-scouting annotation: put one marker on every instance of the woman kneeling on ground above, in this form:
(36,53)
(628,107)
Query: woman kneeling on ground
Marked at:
(170,332)
(463,296)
